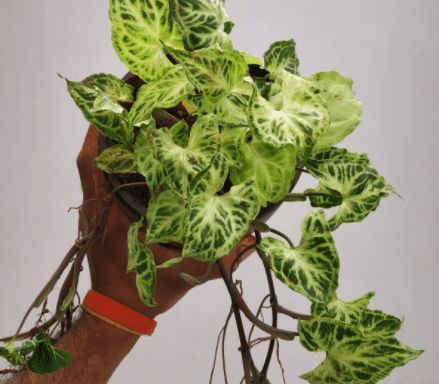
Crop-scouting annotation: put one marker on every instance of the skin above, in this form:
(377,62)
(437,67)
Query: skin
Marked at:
(96,346)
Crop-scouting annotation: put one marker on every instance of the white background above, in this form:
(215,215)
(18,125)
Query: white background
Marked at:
(389,48)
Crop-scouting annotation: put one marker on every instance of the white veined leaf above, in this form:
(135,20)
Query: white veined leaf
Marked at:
(167,216)
(144,158)
(165,92)
(294,115)
(312,268)
(344,111)
(98,97)
(212,70)
(141,260)
(138,29)
(351,180)
(180,165)
(350,356)
(216,223)
(272,168)
(281,56)
(116,159)
(200,22)
(233,144)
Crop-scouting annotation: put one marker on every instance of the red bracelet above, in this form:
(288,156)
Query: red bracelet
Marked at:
(117,314)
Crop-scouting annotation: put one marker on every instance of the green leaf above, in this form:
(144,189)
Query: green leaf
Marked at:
(200,23)
(147,165)
(272,168)
(167,216)
(47,359)
(249,59)
(350,356)
(180,134)
(350,312)
(233,144)
(217,223)
(280,57)
(138,29)
(141,260)
(28,346)
(353,178)
(166,92)
(212,70)
(332,198)
(98,97)
(231,110)
(295,115)
(180,165)
(312,268)
(116,159)
(344,111)
(11,353)
(378,323)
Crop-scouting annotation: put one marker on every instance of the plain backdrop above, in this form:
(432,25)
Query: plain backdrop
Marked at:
(389,48)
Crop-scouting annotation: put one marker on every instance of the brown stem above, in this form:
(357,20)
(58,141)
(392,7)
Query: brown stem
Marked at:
(301,169)
(292,314)
(164,117)
(238,258)
(137,184)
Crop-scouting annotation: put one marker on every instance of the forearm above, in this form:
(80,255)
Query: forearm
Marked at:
(97,348)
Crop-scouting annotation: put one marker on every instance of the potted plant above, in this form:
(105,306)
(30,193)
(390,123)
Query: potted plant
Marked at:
(203,142)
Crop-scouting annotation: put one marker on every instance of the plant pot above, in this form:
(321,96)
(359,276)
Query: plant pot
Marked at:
(134,200)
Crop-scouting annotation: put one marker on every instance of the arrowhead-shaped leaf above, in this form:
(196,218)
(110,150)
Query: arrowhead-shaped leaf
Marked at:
(312,268)
(280,57)
(98,98)
(231,110)
(180,133)
(139,27)
(295,115)
(344,110)
(217,223)
(141,260)
(180,165)
(354,179)
(200,22)
(147,165)
(47,359)
(116,159)
(272,168)
(212,70)
(166,92)
(167,216)
(233,143)
(350,356)
(350,312)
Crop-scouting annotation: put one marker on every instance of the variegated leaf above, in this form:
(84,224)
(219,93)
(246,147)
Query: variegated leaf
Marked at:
(331,199)
(296,115)
(166,92)
(167,216)
(231,110)
(353,177)
(280,57)
(141,260)
(212,70)
(180,133)
(139,27)
(116,159)
(272,168)
(233,143)
(350,356)
(334,153)
(350,312)
(312,268)
(344,111)
(144,158)
(200,22)
(378,323)
(217,223)
(98,98)
(249,59)
(180,165)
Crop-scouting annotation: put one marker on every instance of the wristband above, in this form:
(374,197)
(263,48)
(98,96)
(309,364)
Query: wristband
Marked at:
(117,314)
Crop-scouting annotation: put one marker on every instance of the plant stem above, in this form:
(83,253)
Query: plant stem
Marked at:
(245,350)
(281,235)
(292,314)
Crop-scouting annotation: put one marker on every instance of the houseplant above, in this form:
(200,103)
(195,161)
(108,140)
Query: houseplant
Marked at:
(293,138)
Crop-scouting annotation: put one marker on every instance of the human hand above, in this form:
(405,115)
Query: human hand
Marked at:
(108,254)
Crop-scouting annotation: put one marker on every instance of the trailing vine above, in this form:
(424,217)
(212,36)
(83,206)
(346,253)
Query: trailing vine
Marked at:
(248,122)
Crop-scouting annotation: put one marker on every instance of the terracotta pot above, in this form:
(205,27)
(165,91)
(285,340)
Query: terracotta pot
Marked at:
(134,200)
